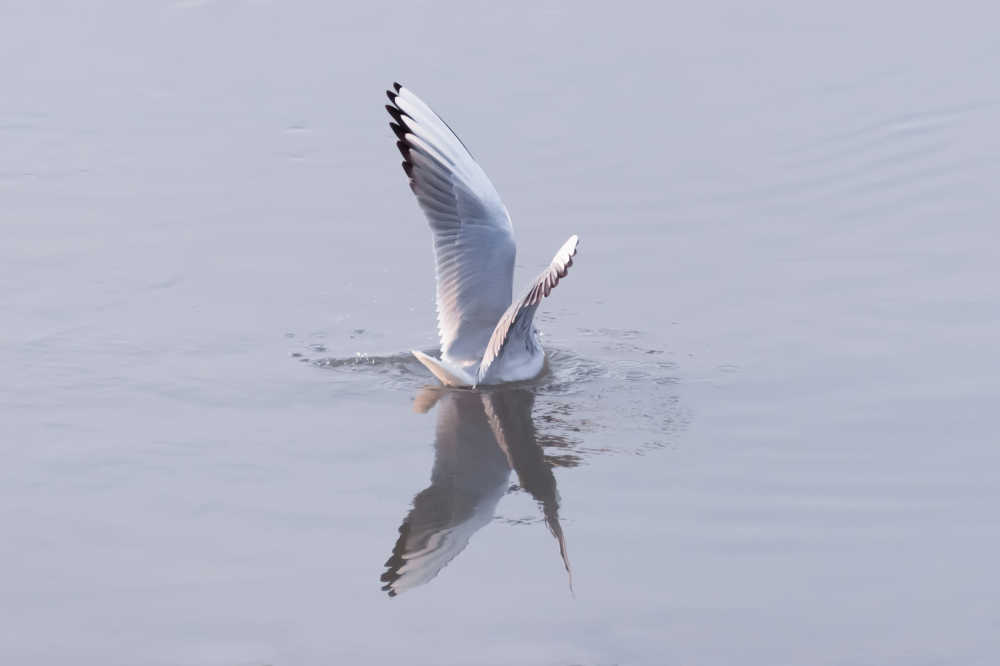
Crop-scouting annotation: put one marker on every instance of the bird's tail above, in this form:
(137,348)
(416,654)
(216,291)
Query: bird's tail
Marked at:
(447,373)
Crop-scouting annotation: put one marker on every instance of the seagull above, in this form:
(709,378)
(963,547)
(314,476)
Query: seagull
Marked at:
(486,338)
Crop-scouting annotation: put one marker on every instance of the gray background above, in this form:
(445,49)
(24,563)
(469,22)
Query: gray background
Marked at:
(774,363)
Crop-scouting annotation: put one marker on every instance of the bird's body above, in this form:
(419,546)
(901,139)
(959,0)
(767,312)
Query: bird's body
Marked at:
(485,337)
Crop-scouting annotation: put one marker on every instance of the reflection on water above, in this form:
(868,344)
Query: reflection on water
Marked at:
(480,438)
(613,395)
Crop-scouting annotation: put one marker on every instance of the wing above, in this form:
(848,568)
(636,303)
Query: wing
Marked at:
(473,236)
(515,325)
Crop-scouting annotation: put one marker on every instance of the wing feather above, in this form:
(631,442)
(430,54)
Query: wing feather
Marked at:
(473,237)
(517,321)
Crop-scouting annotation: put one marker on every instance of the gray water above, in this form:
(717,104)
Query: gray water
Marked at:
(767,433)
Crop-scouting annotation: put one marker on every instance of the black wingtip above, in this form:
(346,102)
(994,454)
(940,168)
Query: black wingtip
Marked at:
(396,114)
(408,168)
(398,131)
(391,95)
(396,86)
(404,150)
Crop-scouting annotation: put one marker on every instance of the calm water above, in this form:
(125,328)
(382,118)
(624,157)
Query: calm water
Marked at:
(767,434)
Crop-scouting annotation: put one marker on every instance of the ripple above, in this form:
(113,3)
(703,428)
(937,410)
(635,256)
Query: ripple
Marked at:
(895,163)
(401,371)
(617,396)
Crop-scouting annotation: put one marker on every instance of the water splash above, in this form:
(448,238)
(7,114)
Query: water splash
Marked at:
(617,389)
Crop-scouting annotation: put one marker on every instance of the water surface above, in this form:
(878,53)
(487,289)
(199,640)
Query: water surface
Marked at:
(766,434)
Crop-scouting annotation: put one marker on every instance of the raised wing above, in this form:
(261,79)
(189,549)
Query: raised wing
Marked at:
(515,325)
(473,236)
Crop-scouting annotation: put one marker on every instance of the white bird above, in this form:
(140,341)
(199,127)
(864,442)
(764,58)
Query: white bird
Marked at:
(485,338)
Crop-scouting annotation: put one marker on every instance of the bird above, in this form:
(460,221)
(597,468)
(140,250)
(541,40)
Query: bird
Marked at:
(486,337)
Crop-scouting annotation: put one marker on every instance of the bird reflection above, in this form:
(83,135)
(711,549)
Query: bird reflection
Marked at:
(480,438)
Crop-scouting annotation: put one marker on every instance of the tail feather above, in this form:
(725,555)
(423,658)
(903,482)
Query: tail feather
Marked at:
(447,373)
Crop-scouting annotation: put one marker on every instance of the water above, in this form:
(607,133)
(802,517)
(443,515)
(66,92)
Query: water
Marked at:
(766,434)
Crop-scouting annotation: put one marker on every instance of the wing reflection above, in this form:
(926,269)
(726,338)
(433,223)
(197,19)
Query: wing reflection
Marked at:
(480,438)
